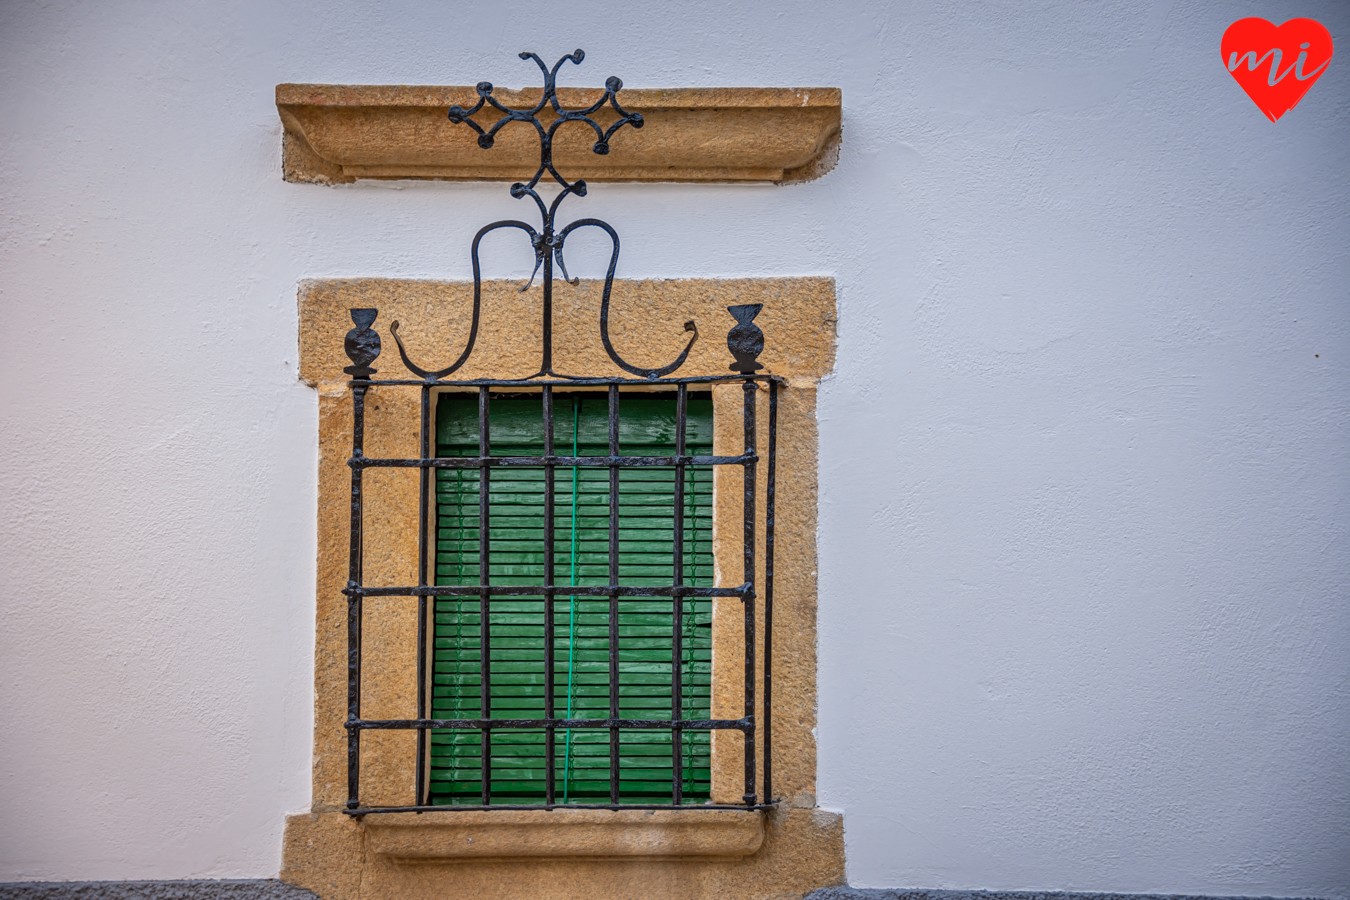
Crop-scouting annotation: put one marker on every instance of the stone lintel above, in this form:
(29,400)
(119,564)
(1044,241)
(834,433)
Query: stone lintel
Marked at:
(339,133)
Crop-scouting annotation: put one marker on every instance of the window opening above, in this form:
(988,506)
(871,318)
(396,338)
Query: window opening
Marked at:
(645,628)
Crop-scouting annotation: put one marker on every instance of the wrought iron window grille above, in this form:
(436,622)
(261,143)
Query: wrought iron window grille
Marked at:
(745,341)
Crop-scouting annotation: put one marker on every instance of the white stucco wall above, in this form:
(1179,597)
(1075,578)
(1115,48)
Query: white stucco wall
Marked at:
(1084,509)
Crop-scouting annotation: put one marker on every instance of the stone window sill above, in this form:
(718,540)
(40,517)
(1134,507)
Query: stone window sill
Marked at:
(476,835)
(339,133)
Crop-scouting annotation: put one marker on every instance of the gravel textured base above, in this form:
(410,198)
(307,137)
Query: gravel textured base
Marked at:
(848,893)
(234,889)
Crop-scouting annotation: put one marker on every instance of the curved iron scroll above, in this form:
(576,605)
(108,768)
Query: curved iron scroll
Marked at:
(547,242)
(477,306)
(604,304)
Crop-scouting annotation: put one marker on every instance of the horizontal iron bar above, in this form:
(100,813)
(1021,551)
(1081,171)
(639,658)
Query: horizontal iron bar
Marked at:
(478,462)
(532,591)
(568,382)
(538,724)
(377,810)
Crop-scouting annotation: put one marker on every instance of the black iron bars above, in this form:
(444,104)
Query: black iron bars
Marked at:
(745,341)
(548,241)
(486,592)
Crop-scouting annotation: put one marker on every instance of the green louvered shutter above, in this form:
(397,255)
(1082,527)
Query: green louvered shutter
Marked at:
(581,636)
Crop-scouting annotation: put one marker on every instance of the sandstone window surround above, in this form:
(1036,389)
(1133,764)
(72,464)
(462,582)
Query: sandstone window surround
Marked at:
(476,852)
(792,847)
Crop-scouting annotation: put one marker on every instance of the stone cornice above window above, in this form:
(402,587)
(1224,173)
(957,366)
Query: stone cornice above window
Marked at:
(339,133)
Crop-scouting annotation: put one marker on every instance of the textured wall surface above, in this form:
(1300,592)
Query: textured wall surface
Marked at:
(1084,530)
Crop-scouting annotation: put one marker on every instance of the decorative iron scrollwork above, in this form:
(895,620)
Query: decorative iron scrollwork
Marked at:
(548,240)
(745,341)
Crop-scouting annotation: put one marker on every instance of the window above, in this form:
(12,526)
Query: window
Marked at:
(648,660)
(619,619)
(378,447)
(401,550)
(511,739)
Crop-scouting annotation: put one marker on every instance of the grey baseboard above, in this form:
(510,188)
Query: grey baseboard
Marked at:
(204,889)
(271,889)
(851,893)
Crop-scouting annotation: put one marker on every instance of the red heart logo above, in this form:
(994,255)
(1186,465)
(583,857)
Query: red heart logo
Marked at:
(1276,66)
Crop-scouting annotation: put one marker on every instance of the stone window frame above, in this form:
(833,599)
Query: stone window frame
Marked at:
(470,851)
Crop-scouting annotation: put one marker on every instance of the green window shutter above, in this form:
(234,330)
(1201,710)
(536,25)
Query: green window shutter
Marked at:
(581,624)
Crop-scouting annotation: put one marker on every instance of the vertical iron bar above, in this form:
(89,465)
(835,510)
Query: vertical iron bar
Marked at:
(484,579)
(677,609)
(354,566)
(572,599)
(750,389)
(769,497)
(423,524)
(547,237)
(549,735)
(613,596)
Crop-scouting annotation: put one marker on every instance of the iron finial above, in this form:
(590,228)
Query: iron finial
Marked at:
(745,340)
(362,343)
